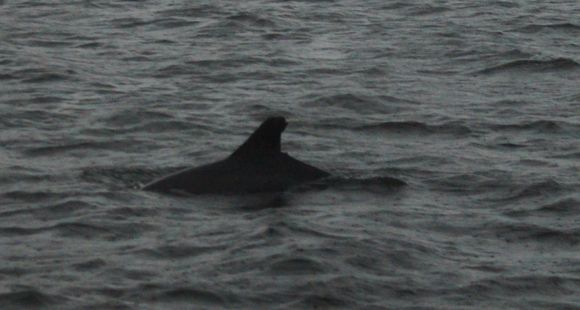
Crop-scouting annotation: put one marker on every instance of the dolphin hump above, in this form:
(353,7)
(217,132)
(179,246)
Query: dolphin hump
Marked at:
(258,165)
(265,140)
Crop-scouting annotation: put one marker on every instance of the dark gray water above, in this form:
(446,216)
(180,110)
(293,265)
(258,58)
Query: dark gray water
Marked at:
(475,105)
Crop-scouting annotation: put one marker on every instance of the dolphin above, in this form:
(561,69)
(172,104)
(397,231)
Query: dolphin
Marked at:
(258,165)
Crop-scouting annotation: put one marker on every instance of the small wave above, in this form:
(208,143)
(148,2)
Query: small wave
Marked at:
(346,100)
(398,126)
(210,65)
(427,9)
(133,273)
(297,266)
(382,182)
(27,299)
(129,22)
(538,189)
(29,196)
(9,177)
(76,146)
(236,23)
(332,292)
(90,45)
(46,99)
(191,10)
(529,285)
(188,294)
(287,36)
(13,271)
(174,70)
(41,75)
(162,126)
(225,69)
(475,182)
(38,118)
(49,43)
(251,19)
(46,77)
(286,228)
(562,207)
(542,126)
(18,231)
(351,102)
(130,177)
(172,252)
(7,76)
(82,230)
(373,184)
(273,230)
(567,155)
(558,26)
(413,127)
(159,23)
(522,232)
(53,211)
(172,22)
(274,36)
(131,212)
(320,301)
(90,264)
(511,145)
(126,118)
(529,65)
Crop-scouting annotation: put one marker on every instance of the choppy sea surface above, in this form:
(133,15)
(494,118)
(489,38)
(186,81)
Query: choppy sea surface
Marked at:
(474,104)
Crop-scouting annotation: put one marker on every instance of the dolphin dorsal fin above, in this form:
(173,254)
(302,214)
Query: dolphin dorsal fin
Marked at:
(266,139)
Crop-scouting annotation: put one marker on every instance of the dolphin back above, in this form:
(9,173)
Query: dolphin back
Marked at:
(258,165)
(234,175)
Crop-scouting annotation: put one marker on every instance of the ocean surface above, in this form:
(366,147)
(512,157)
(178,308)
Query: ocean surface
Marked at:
(475,105)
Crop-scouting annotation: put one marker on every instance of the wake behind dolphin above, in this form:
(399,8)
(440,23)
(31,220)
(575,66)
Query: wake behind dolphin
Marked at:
(258,165)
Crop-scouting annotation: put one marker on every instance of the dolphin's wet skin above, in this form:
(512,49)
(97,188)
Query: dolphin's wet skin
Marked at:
(258,165)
